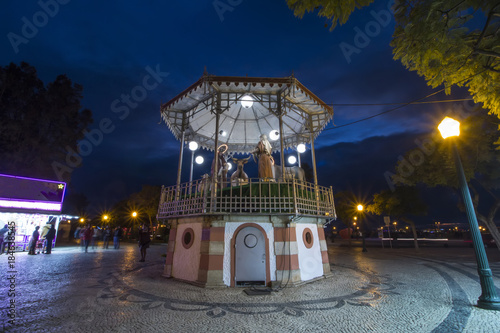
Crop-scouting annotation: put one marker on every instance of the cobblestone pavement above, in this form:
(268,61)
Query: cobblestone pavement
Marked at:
(383,290)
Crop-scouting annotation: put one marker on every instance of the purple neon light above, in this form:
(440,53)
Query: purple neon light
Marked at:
(30,204)
(30,201)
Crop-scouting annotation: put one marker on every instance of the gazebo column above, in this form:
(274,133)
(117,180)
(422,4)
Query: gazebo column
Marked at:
(216,153)
(282,149)
(313,156)
(181,155)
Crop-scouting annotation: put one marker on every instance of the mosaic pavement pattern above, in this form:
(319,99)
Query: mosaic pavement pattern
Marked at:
(380,291)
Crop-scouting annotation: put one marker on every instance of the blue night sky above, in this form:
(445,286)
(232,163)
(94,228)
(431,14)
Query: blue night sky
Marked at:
(108,47)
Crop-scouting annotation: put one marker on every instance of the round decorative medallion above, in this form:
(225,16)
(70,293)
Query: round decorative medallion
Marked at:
(250,241)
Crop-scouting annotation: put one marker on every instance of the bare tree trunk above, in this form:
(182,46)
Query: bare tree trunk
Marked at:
(489,220)
(414,231)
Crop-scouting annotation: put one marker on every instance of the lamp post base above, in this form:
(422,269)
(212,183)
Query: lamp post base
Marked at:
(489,304)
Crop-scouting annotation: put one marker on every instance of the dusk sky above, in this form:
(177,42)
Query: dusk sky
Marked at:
(110,47)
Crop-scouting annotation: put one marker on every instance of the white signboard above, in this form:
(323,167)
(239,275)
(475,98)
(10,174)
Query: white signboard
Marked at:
(387,220)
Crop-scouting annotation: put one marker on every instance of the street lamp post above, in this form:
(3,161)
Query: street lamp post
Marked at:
(193,145)
(489,298)
(360,210)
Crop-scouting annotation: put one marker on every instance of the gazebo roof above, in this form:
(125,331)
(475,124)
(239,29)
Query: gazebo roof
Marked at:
(194,111)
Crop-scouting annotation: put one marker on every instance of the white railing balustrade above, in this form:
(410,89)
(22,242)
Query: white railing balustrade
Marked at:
(256,196)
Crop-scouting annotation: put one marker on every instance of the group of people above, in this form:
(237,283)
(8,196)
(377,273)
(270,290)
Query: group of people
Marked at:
(47,234)
(92,235)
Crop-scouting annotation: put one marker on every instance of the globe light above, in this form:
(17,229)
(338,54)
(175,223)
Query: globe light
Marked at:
(199,160)
(292,159)
(222,133)
(274,135)
(360,207)
(449,127)
(105,217)
(193,145)
(134,214)
(247,101)
(229,166)
(301,148)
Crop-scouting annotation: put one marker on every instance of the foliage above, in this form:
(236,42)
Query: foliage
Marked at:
(401,203)
(345,206)
(449,42)
(38,122)
(338,11)
(440,41)
(479,154)
(147,201)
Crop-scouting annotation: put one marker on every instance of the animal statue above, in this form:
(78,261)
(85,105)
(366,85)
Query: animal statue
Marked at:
(204,184)
(291,173)
(239,177)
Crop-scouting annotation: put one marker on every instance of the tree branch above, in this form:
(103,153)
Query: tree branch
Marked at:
(492,69)
(488,53)
(490,15)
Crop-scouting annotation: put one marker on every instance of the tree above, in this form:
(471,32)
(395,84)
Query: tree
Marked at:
(480,158)
(402,203)
(147,201)
(439,39)
(38,123)
(336,10)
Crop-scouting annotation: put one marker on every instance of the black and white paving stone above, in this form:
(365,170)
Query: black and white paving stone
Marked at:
(383,290)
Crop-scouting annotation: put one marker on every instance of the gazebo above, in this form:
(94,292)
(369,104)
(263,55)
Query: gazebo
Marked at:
(256,232)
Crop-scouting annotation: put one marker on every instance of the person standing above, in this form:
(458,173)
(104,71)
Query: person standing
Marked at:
(263,152)
(106,237)
(87,236)
(49,237)
(144,240)
(116,237)
(34,240)
(96,235)
(3,233)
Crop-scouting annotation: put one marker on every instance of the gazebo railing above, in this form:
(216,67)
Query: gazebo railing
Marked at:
(254,196)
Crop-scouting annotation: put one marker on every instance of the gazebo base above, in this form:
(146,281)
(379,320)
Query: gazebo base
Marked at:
(244,250)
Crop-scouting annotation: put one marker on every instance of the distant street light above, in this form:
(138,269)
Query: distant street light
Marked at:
(134,214)
(489,299)
(360,210)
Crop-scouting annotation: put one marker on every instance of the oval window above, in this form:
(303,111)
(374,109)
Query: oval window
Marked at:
(188,238)
(307,237)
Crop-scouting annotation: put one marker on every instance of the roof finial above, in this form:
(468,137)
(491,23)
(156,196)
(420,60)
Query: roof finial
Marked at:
(293,74)
(205,71)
